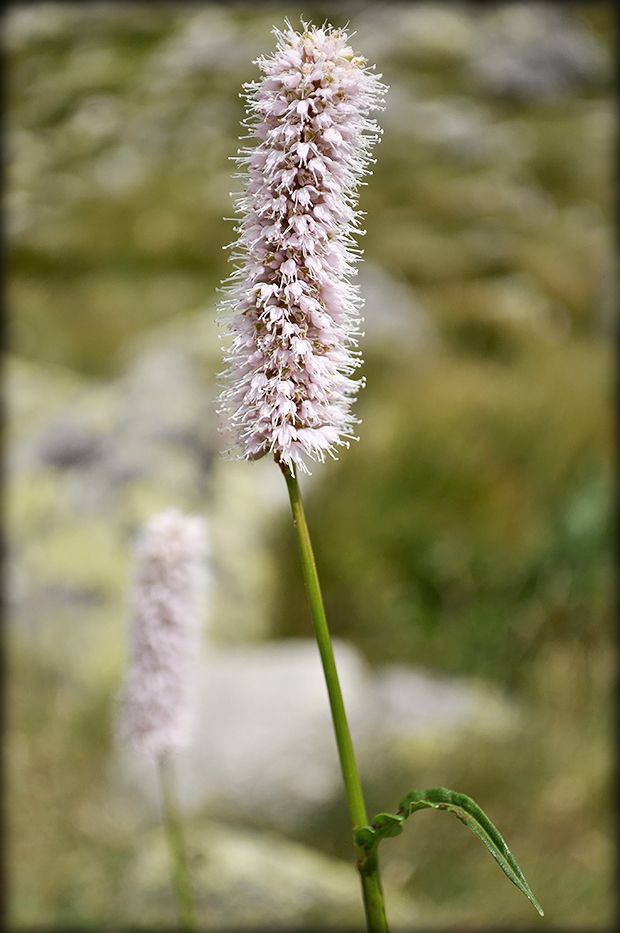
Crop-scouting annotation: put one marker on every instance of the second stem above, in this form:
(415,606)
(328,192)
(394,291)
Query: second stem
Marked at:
(176,844)
(368,867)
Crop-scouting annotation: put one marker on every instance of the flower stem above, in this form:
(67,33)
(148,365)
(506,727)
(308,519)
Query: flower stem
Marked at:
(367,867)
(176,844)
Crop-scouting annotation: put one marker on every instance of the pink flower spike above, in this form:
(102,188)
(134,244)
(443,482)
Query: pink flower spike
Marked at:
(291,307)
(167,599)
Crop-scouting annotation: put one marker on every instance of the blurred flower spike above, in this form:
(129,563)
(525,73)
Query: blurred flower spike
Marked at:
(167,599)
(289,303)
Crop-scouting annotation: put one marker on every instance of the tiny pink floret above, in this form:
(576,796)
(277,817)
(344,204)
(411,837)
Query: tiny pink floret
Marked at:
(291,307)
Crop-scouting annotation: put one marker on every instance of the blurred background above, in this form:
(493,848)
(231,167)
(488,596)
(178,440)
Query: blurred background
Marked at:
(463,543)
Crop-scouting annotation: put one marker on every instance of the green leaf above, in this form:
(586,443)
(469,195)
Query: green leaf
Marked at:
(466,810)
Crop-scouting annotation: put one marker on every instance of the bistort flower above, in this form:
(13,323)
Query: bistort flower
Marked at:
(291,306)
(167,598)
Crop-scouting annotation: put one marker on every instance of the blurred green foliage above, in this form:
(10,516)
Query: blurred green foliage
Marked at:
(471,525)
(469,530)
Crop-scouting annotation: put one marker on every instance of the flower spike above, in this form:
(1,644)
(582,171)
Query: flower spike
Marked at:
(290,304)
(167,598)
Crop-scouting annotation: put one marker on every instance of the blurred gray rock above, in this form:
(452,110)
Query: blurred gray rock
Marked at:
(263,740)
(535,51)
(455,126)
(443,31)
(415,702)
(208,38)
(523,50)
(263,744)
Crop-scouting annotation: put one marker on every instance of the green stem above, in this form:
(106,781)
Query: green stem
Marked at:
(178,856)
(367,867)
